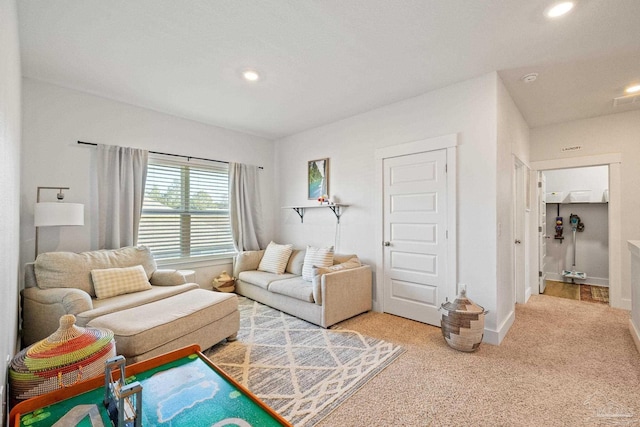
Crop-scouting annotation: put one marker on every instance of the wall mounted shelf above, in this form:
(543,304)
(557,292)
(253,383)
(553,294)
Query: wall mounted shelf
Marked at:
(336,208)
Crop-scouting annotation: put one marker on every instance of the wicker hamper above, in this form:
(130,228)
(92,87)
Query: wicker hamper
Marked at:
(463,323)
(69,355)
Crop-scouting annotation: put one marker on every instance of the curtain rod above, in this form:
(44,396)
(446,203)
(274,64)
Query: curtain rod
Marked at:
(169,154)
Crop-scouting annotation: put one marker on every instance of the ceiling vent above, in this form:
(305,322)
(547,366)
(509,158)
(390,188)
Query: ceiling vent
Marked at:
(627,100)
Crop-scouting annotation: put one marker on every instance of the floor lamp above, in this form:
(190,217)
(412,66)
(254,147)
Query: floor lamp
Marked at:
(51,214)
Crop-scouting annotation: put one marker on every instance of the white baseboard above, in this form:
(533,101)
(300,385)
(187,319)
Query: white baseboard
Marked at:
(598,281)
(625,304)
(496,337)
(635,333)
(527,294)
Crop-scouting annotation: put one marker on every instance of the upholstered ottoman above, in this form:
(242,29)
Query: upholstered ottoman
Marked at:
(195,317)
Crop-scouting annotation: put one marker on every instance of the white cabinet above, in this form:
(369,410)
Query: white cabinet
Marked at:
(578,185)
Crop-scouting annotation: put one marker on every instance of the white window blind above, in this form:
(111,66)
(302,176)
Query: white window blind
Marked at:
(186,210)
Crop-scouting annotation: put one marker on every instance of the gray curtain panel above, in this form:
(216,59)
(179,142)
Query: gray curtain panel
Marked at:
(122,173)
(245,207)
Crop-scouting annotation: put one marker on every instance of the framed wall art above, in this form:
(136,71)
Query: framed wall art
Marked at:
(318,178)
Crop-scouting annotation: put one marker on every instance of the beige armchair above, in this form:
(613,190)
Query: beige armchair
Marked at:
(154,312)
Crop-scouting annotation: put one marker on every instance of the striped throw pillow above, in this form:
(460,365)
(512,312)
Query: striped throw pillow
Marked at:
(110,282)
(316,257)
(275,258)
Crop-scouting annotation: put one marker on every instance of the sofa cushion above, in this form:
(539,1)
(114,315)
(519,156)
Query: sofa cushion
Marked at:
(296,260)
(340,258)
(295,287)
(351,263)
(262,278)
(109,282)
(316,257)
(72,270)
(275,258)
(123,302)
(247,260)
(168,277)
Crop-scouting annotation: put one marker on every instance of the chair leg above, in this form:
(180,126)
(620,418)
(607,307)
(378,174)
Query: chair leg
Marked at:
(232,337)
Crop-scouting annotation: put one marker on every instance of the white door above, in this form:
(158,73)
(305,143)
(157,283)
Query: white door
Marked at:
(542,231)
(415,235)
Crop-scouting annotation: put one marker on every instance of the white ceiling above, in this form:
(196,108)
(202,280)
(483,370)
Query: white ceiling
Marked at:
(324,60)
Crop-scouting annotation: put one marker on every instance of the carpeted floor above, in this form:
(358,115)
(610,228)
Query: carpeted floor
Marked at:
(582,292)
(562,363)
(299,369)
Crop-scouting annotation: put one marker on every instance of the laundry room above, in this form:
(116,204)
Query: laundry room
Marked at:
(577,218)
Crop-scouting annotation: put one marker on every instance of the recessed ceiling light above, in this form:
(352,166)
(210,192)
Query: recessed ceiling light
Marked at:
(528,78)
(251,75)
(559,9)
(633,89)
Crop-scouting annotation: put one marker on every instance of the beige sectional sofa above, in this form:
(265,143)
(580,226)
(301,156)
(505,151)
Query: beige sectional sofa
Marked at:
(153,313)
(327,299)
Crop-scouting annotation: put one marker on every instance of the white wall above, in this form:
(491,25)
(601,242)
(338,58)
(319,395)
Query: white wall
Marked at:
(9,185)
(512,140)
(468,109)
(55,118)
(615,133)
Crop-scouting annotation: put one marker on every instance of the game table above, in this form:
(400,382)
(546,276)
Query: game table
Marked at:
(180,388)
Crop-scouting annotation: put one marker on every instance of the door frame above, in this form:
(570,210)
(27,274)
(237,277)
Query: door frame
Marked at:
(614,161)
(541,234)
(520,173)
(449,143)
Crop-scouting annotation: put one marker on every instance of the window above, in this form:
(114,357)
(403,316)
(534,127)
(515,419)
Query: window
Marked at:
(186,210)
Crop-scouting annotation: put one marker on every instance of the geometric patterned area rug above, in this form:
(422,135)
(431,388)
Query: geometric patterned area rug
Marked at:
(582,291)
(562,290)
(300,370)
(597,293)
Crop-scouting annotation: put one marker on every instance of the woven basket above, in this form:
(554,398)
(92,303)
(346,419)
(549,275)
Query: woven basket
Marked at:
(224,283)
(69,355)
(463,323)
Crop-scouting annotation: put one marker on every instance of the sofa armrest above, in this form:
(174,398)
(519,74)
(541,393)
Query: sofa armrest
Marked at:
(42,309)
(247,260)
(167,277)
(73,300)
(345,294)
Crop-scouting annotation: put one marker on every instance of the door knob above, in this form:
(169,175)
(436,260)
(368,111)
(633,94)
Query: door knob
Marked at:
(387,243)
(518,242)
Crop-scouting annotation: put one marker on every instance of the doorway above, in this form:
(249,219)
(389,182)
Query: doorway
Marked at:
(614,232)
(577,248)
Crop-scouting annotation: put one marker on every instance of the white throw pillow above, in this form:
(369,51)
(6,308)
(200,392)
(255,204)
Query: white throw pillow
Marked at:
(275,258)
(316,257)
(109,282)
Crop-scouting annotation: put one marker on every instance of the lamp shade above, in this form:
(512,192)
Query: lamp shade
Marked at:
(48,214)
